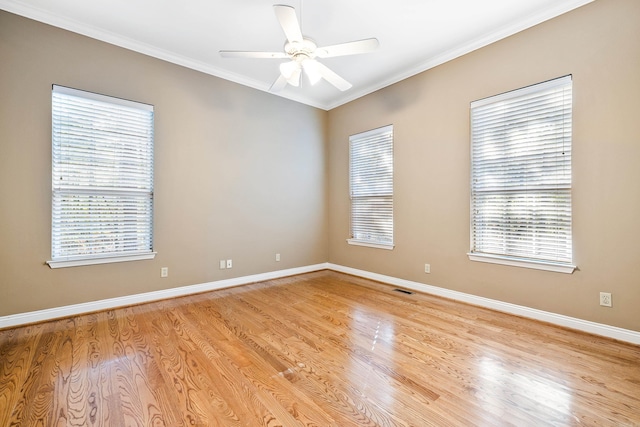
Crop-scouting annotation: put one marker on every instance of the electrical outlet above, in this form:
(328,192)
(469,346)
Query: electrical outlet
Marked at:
(427,268)
(229,263)
(223,264)
(277,257)
(164,272)
(605,299)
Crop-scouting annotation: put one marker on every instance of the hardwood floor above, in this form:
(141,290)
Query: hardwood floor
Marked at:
(320,349)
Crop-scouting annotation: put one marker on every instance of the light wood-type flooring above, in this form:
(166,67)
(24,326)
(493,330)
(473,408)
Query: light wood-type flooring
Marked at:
(320,349)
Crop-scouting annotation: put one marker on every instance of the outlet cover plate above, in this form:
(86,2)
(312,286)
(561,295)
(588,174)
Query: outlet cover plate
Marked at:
(605,299)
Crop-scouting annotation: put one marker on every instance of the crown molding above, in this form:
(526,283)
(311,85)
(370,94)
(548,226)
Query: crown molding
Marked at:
(55,20)
(100,34)
(464,49)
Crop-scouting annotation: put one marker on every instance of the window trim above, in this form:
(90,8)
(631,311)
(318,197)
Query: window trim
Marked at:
(522,262)
(368,243)
(537,264)
(94,259)
(102,259)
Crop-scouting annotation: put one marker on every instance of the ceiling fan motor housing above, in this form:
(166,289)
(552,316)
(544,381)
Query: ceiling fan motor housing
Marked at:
(301,50)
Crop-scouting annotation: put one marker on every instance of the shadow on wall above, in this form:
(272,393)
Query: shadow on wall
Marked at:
(401,95)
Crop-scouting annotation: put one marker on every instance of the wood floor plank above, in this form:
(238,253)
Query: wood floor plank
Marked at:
(265,375)
(17,350)
(298,356)
(319,349)
(246,393)
(30,385)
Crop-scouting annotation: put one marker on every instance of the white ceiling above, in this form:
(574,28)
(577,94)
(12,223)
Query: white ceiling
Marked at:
(414,35)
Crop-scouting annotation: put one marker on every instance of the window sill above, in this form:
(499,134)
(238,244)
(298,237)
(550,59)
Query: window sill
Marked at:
(101,260)
(370,244)
(524,263)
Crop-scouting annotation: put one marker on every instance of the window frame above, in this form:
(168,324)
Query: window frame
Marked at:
(378,133)
(90,189)
(557,265)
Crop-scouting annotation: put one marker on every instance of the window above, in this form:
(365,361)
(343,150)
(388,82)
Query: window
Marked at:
(102,179)
(521,177)
(371,188)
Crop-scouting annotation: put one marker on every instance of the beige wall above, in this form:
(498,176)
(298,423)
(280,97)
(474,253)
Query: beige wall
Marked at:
(599,44)
(243,174)
(239,173)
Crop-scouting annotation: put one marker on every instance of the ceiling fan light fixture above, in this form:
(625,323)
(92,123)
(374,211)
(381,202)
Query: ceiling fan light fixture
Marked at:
(294,80)
(311,69)
(287,69)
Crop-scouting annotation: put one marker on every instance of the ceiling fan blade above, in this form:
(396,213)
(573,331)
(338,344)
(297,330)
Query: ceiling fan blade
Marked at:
(332,77)
(349,48)
(262,55)
(279,84)
(289,22)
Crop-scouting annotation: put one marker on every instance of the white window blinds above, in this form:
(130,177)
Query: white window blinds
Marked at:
(521,174)
(371,187)
(102,178)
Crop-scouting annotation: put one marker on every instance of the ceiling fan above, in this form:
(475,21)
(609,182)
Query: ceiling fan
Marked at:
(302,53)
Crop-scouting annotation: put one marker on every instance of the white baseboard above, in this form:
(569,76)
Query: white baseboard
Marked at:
(106,304)
(531,313)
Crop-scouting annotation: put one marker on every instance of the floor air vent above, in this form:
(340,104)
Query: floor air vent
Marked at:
(403,291)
